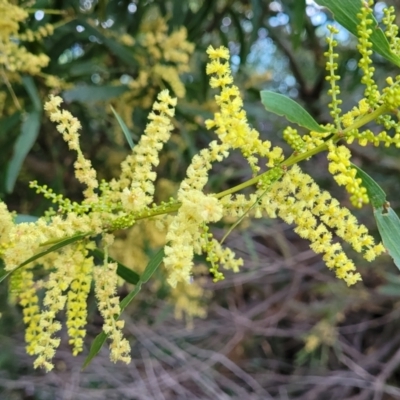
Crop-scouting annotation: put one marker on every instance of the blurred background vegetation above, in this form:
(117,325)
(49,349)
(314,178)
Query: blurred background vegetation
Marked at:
(282,328)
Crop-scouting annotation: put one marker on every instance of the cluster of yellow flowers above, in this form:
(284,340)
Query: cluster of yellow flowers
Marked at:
(284,191)
(364,47)
(118,204)
(188,297)
(345,175)
(297,199)
(231,123)
(14,57)
(162,58)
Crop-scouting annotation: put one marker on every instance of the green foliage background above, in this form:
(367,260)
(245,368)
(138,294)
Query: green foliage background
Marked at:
(257,340)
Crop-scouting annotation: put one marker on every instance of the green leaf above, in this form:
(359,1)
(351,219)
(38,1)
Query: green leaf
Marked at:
(390,289)
(298,17)
(389,227)
(33,93)
(60,244)
(131,295)
(8,123)
(24,218)
(345,12)
(127,274)
(125,129)
(179,11)
(257,19)
(81,68)
(375,193)
(95,347)
(194,22)
(124,272)
(288,108)
(91,94)
(122,52)
(100,339)
(153,264)
(26,139)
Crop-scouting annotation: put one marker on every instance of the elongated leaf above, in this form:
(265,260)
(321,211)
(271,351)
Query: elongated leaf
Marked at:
(375,193)
(95,347)
(298,21)
(131,295)
(30,87)
(84,68)
(256,20)
(8,123)
(178,13)
(62,243)
(345,12)
(125,129)
(122,52)
(390,289)
(241,37)
(25,141)
(389,227)
(153,264)
(23,218)
(194,21)
(288,108)
(124,272)
(100,339)
(91,94)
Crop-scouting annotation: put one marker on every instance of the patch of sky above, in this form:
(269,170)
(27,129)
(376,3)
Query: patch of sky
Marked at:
(279,20)
(249,14)
(264,56)
(71,54)
(247,26)
(378,10)
(343,36)
(313,4)
(226,21)
(275,6)
(234,49)
(95,39)
(351,64)
(39,15)
(125,79)
(96,78)
(132,8)
(108,24)
(86,5)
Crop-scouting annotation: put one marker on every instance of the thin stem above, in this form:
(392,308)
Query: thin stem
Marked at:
(10,89)
(293,159)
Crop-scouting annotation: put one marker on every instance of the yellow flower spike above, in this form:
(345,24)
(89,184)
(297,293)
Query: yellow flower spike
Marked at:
(294,140)
(331,67)
(105,279)
(77,300)
(345,175)
(284,191)
(364,31)
(221,52)
(231,122)
(136,180)
(68,126)
(290,199)
(392,30)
